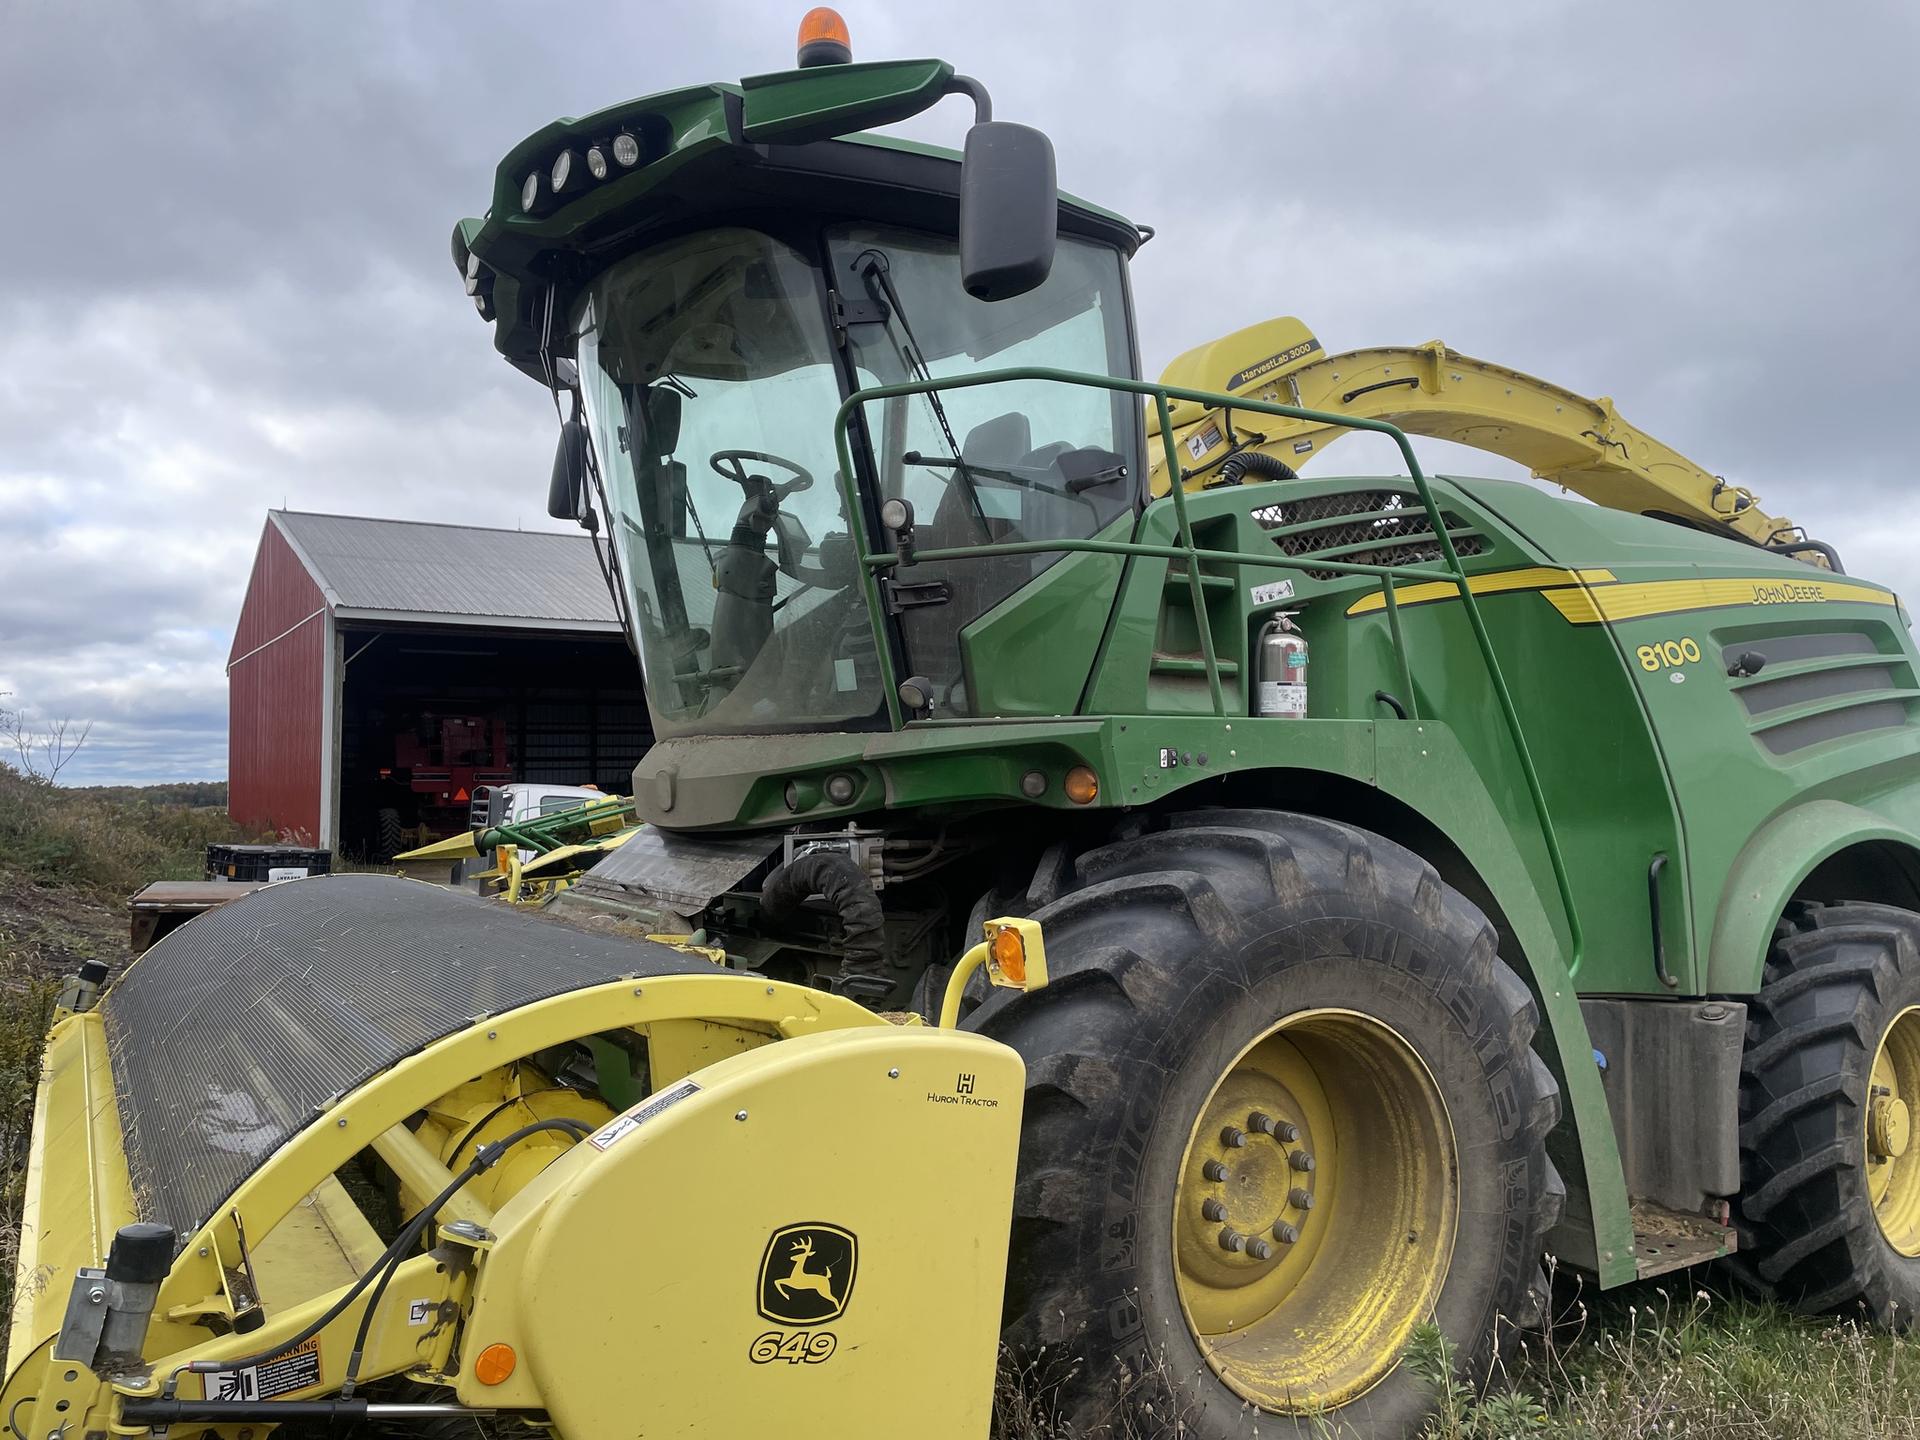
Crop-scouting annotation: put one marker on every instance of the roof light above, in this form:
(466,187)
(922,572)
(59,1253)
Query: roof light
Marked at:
(563,170)
(626,149)
(824,39)
(530,192)
(597,162)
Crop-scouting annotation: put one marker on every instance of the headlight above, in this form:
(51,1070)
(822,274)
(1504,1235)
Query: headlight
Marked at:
(530,193)
(562,171)
(626,149)
(597,163)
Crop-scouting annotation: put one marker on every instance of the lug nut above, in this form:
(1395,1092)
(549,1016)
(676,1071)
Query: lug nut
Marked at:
(1233,1137)
(1259,1249)
(1211,1209)
(1232,1240)
(1262,1122)
(1300,1199)
(1286,1234)
(1214,1171)
(1300,1160)
(1286,1131)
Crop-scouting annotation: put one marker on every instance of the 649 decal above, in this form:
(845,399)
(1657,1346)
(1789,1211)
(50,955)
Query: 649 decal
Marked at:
(798,1347)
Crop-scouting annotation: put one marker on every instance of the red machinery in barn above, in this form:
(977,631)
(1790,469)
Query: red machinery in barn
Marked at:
(438,759)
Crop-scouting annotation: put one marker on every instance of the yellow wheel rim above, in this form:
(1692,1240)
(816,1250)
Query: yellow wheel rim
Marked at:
(1893,1162)
(1316,1211)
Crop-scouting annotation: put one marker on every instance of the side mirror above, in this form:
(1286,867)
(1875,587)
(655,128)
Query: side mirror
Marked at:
(661,421)
(567,490)
(1009,210)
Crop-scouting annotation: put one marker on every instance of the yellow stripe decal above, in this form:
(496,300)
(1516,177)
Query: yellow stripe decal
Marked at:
(1534,577)
(1590,597)
(1636,600)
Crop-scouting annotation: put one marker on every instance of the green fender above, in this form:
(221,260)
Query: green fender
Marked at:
(1770,867)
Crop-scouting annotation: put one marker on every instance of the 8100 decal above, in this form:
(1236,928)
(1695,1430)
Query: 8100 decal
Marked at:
(1668,654)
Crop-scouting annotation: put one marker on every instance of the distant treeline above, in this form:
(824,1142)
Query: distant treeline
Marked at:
(198,794)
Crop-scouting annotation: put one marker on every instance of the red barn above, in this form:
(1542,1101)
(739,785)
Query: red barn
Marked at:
(380,668)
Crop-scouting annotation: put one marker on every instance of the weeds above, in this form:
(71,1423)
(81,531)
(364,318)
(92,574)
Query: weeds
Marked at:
(112,841)
(26,1001)
(1655,1361)
(68,861)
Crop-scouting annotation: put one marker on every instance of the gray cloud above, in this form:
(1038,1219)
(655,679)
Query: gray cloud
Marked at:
(230,285)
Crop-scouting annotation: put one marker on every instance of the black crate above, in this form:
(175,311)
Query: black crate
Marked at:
(259,862)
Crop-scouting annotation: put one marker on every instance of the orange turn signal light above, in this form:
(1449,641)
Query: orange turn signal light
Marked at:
(494,1364)
(1082,785)
(1010,955)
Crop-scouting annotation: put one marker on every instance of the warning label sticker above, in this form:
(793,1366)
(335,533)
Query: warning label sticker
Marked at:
(1201,442)
(621,1126)
(291,1370)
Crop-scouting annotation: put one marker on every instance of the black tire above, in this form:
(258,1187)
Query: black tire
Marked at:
(1835,979)
(1172,949)
(389,841)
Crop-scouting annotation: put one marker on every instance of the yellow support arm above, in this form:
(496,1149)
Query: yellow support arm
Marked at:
(1566,439)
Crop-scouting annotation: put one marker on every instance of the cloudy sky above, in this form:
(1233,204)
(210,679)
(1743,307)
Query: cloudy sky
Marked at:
(230,286)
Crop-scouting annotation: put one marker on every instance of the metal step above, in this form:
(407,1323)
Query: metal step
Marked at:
(1666,1240)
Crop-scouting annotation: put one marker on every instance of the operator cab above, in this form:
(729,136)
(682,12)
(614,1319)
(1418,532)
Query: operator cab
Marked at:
(710,371)
(719,269)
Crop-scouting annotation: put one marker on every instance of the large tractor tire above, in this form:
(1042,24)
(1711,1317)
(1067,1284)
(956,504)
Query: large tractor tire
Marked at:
(1829,1209)
(1281,1108)
(389,838)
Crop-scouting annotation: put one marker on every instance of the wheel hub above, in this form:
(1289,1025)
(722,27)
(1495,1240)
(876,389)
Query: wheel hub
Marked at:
(1252,1178)
(1314,1220)
(1888,1127)
(1893,1165)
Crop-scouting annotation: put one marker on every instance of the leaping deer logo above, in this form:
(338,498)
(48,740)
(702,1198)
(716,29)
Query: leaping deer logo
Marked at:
(801,1278)
(807,1273)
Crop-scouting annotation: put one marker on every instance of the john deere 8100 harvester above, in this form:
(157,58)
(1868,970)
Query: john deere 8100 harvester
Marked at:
(1434,873)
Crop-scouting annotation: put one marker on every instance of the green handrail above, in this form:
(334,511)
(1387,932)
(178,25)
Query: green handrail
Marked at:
(1455,573)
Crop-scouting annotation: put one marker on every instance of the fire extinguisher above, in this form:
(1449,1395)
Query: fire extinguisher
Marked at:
(1281,669)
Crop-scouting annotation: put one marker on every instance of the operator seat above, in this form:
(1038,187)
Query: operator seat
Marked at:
(933,633)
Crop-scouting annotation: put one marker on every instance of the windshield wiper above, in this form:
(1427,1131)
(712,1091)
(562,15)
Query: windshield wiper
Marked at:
(873,267)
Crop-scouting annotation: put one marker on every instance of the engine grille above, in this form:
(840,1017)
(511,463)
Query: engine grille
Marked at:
(1391,526)
(229,1035)
(1824,667)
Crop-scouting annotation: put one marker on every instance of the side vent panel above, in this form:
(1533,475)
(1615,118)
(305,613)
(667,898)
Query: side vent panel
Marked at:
(1363,527)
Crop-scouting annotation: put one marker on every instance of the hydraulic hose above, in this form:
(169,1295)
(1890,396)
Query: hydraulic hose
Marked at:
(1256,463)
(382,1269)
(844,886)
(483,1159)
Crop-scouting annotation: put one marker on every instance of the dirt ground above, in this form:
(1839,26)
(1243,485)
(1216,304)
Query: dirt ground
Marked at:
(46,932)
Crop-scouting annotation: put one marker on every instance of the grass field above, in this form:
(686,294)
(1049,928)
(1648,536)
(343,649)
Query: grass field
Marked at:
(1683,1356)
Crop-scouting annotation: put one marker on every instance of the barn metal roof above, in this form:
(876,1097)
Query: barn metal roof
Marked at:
(416,570)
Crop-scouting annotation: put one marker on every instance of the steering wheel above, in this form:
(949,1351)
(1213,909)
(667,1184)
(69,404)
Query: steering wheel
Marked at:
(721,460)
